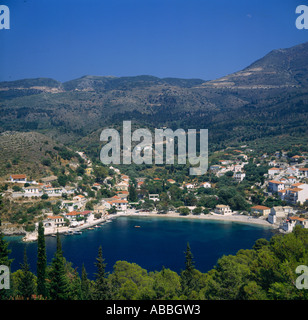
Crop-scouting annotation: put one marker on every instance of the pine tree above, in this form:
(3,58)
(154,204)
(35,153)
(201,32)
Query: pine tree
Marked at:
(101,288)
(75,286)
(58,280)
(85,284)
(26,286)
(187,275)
(41,262)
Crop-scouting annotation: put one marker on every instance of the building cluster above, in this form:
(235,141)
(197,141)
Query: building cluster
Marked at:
(286,180)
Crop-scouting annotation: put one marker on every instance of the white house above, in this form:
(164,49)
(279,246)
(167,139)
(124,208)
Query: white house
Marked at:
(297,193)
(290,223)
(54,222)
(239,176)
(154,197)
(121,205)
(72,215)
(80,198)
(275,186)
(32,191)
(18,178)
(206,185)
(54,192)
(223,209)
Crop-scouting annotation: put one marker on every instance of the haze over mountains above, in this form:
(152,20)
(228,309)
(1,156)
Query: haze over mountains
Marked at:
(268,98)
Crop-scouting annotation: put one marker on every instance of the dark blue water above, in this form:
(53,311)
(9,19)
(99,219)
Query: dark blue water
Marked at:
(158,242)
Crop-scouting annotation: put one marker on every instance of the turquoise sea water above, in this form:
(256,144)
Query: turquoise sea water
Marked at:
(160,241)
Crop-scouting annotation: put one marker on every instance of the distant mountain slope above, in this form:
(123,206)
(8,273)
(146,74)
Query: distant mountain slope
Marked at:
(268,98)
(30,83)
(281,68)
(97,83)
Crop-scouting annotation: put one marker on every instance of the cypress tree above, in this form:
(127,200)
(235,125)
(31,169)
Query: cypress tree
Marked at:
(132,193)
(41,262)
(85,284)
(187,275)
(26,287)
(101,288)
(58,280)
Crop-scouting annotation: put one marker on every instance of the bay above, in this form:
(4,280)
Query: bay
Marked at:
(157,242)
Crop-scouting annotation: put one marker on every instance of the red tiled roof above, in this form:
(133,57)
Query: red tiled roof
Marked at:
(118,201)
(297,218)
(73,213)
(276,182)
(295,189)
(54,217)
(260,208)
(297,184)
(85,212)
(18,176)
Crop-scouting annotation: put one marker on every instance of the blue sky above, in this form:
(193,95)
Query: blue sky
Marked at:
(166,38)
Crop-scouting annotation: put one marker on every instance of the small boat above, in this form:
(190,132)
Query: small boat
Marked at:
(91,228)
(77,232)
(137,227)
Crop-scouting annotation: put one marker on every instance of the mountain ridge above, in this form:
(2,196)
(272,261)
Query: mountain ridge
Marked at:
(267,98)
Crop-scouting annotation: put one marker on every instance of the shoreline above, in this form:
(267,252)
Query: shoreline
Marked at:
(211,216)
(237,218)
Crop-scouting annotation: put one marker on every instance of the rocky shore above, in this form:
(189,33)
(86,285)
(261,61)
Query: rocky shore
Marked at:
(9,230)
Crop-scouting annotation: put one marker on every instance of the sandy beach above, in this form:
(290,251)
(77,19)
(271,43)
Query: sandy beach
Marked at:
(211,216)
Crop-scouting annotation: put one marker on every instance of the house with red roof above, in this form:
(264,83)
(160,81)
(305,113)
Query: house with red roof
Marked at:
(275,186)
(264,211)
(18,178)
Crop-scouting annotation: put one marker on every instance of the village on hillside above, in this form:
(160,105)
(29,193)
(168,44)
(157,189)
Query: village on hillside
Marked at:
(273,189)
